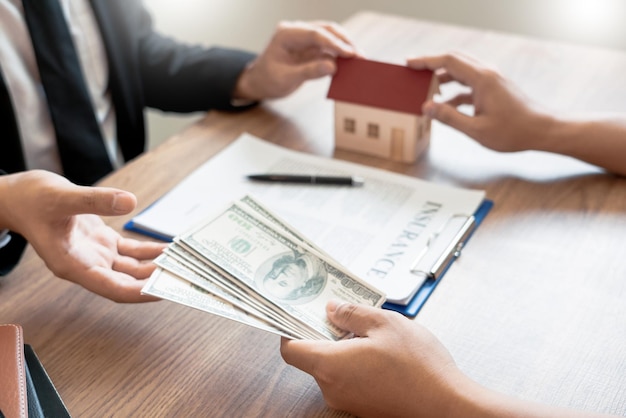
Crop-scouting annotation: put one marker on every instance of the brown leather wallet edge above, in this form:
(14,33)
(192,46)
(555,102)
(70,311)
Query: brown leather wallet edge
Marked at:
(13,402)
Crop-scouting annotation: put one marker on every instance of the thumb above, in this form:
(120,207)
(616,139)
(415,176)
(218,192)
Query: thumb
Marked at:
(448,115)
(358,319)
(313,69)
(103,201)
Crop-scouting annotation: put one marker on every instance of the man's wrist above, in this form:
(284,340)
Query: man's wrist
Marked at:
(249,87)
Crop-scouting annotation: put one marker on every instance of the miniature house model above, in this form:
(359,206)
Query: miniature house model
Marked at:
(378,108)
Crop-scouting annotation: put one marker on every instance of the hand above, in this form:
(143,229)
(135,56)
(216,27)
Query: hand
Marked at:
(503,119)
(297,52)
(59,220)
(393,368)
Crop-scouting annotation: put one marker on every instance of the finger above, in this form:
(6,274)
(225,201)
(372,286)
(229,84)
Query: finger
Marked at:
(307,35)
(141,250)
(444,77)
(311,70)
(116,286)
(101,201)
(459,68)
(303,354)
(338,31)
(358,319)
(133,267)
(461,99)
(449,115)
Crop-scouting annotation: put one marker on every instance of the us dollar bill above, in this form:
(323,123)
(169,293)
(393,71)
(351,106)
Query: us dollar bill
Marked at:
(166,285)
(294,278)
(184,265)
(262,212)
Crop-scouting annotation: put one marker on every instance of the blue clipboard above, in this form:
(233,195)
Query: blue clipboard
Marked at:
(130,226)
(133,227)
(413,307)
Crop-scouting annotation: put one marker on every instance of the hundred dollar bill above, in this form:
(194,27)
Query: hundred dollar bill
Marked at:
(293,277)
(166,285)
(186,268)
(252,302)
(249,202)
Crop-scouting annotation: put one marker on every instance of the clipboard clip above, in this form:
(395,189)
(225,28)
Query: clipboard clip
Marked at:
(444,246)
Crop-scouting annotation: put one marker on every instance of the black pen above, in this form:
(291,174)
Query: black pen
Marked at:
(308,179)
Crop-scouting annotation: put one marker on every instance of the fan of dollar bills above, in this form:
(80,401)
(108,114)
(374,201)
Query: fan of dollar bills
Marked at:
(248,265)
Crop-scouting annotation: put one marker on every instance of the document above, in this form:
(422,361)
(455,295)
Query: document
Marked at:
(380,231)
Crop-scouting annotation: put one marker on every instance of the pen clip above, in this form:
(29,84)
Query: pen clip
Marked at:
(444,246)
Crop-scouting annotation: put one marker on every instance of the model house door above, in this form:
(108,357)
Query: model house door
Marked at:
(397,144)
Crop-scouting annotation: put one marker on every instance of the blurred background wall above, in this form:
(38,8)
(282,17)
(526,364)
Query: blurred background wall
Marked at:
(248,24)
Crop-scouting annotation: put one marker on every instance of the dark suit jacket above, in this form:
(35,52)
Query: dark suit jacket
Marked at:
(146,70)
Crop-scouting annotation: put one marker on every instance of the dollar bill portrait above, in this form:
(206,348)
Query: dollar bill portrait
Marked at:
(292,278)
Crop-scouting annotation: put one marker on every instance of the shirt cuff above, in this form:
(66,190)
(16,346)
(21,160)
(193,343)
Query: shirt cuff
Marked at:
(243,103)
(4,233)
(5,237)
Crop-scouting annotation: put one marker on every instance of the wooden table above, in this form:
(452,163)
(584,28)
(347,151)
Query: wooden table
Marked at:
(535,307)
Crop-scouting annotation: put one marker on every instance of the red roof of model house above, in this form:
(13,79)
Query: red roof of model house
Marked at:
(378,84)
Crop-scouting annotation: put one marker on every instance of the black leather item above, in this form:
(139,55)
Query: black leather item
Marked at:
(43,399)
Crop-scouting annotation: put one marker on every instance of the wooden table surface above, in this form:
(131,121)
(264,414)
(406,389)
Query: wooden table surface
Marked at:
(535,306)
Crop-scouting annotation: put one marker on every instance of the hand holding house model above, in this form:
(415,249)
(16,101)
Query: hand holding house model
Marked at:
(378,108)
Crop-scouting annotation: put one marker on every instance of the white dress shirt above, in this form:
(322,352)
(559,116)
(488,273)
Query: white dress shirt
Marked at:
(4,237)
(21,75)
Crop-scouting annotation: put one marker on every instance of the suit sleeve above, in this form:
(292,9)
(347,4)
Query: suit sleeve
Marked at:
(11,251)
(185,78)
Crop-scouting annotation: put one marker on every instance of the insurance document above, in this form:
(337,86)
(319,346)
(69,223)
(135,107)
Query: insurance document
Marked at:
(379,231)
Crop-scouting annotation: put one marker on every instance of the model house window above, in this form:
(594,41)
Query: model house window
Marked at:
(349,125)
(372,130)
